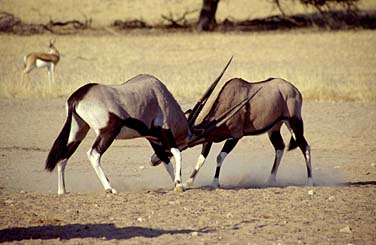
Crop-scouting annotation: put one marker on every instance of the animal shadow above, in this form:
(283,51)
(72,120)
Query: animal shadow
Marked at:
(71,231)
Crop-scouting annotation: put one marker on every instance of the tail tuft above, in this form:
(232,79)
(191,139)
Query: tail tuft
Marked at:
(59,148)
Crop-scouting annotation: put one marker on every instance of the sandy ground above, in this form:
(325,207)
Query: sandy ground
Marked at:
(341,209)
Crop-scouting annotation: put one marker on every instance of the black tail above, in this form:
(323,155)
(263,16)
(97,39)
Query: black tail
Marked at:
(59,148)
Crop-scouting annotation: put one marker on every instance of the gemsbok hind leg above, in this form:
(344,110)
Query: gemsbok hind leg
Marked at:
(279,146)
(297,127)
(200,162)
(77,133)
(227,148)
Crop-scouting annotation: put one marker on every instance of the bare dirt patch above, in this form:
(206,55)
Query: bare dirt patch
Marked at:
(340,210)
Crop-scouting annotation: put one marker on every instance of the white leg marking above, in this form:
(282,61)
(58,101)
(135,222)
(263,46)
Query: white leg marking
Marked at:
(215,183)
(94,158)
(60,177)
(309,166)
(200,162)
(178,160)
(272,180)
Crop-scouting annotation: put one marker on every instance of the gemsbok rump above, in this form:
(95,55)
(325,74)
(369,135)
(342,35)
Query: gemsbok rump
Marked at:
(140,107)
(39,60)
(278,102)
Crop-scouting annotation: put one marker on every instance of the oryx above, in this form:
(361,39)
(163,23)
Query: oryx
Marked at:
(38,60)
(140,107)
(278,102)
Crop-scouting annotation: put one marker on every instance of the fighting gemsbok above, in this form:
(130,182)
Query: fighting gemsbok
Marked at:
(38,60)
(140,107)
(278,102)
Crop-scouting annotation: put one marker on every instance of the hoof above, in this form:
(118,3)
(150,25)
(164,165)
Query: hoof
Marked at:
(154,160)
(271,181)
(62,193)
(311,182)
(189,182)
(179,188)
(215,184)
(111,191)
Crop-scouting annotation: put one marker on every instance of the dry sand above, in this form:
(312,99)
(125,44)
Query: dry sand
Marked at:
(341,209)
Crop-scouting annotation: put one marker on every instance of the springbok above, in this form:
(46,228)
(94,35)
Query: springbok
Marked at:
(278,103)
(140,107)
(39,60)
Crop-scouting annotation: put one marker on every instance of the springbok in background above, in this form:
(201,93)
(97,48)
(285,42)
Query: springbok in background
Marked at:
(140,107)
(278,102)
(39,60)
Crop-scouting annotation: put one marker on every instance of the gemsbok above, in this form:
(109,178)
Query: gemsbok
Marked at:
(140,107)
(278,102)
(39,60)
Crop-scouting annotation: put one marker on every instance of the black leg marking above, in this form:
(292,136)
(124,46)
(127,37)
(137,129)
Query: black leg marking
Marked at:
(206,149)
(227,148)
(298,128)
(168,139)
(165,136)
(108,134)
(217,171)
(194,173)
(277,141)
(137,125)
(229,145)
(161,153)
(71,148)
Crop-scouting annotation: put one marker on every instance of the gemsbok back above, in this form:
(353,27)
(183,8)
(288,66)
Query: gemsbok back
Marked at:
(140,107)
(277,102)
(39,60)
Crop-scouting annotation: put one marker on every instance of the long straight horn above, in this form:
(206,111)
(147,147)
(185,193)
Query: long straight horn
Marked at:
(219,121)
(201,102)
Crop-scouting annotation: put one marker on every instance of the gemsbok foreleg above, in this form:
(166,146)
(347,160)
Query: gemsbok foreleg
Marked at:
(159,156)
(200,162)
(279,146)
(104,139)
(227,148)
(168,142)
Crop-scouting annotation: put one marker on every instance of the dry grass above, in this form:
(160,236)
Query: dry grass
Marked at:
(329,66)
(104,12)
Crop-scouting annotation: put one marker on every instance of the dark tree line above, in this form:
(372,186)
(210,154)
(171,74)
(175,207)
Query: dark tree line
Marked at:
(207,22)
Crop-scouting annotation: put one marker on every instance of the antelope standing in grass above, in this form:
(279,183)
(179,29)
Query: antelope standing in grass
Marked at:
(140,107)
(39,60)
(277,103)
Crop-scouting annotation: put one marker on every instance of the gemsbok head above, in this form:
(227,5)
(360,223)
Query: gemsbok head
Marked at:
(277,102)
(140,107)
(39,60)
